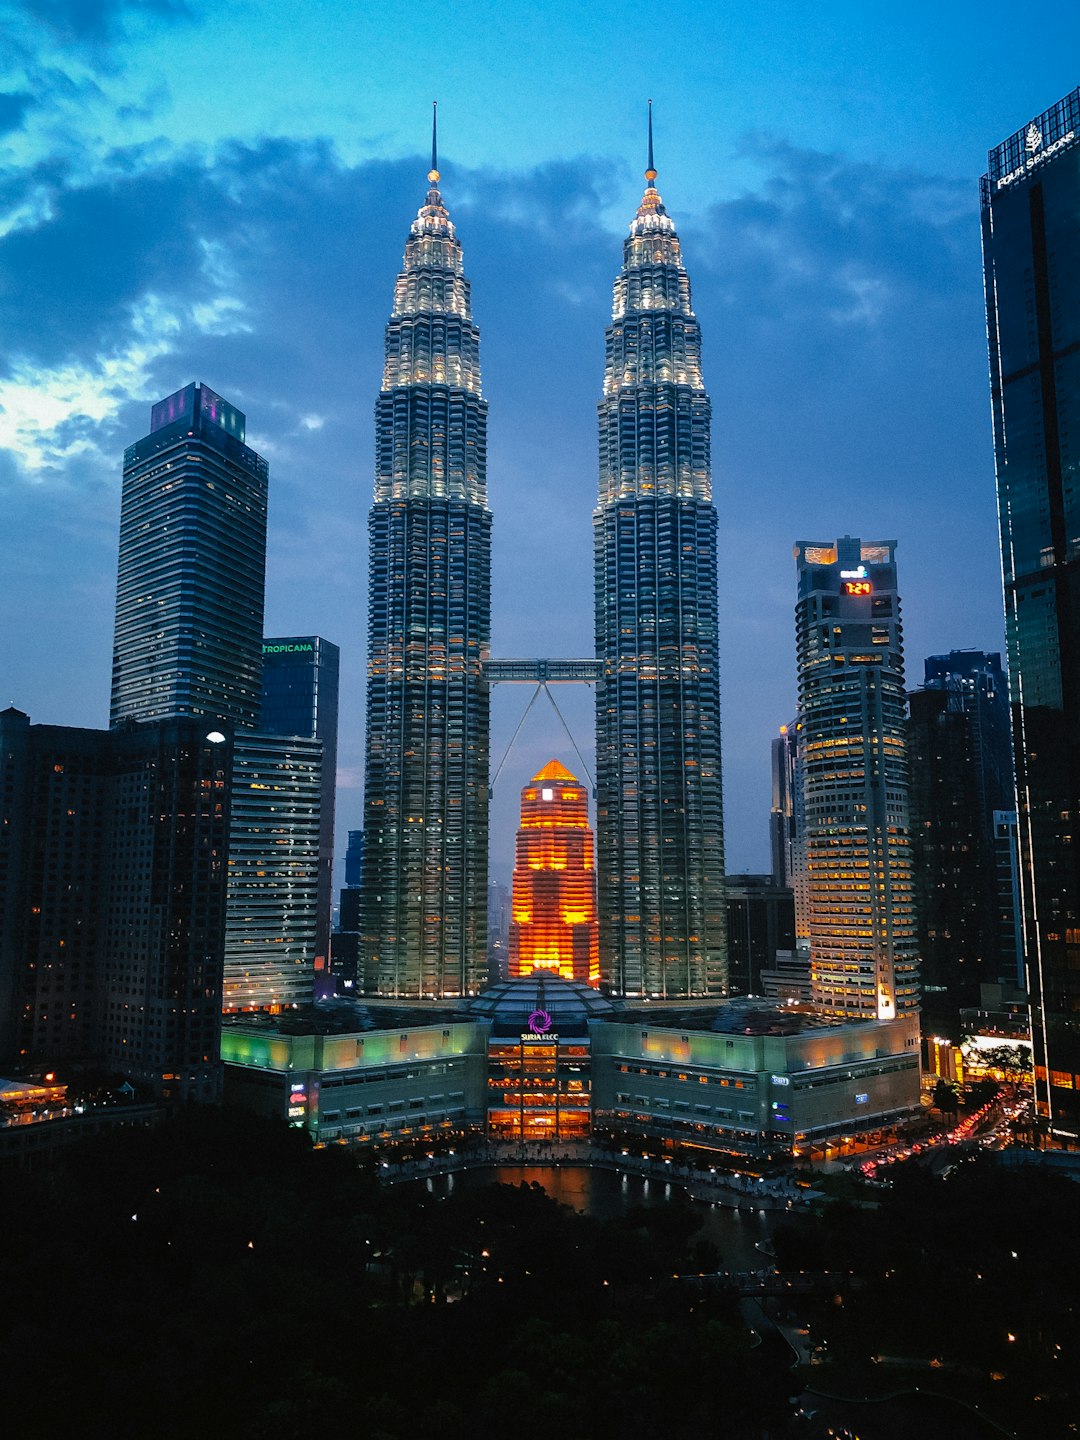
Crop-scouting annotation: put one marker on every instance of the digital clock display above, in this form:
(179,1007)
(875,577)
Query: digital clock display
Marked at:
(857,587)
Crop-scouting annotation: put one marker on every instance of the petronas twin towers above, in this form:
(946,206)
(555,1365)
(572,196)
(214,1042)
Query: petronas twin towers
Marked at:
(659,794)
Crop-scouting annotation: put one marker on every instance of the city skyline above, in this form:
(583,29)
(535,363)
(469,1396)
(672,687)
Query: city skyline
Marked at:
(836,278)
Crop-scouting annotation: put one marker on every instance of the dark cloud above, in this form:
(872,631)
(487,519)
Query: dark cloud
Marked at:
(842,317)
(94,21)
(13,106)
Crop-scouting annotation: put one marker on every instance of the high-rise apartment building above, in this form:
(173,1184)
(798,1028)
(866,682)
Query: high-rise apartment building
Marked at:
(960,754)
(429,631)
(189,595)
(274,872)
(113,851)
(300,697)
(660,828)
(854,778)
(1031,258)
(553,910)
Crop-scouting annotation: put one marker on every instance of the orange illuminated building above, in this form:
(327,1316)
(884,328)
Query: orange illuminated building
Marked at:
(553,919)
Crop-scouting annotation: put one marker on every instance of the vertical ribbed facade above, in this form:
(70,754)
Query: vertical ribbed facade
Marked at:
(1031,262)
(855,839)
(659,797)
(429,630)
(191,575)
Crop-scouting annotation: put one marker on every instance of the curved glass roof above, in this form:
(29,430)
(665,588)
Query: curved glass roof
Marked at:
(511,1005)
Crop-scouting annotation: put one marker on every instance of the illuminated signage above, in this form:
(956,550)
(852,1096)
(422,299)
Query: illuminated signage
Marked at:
(289,648)
(861,1099)
(859,574)
(540,1022)
(857,587)
(779,1079)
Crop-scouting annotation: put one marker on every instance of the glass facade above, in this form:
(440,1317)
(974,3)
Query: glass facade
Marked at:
(274,872)
(553,916)
(429,632)
(960,746)
(300,697)
(1031,258)
(855,840)
(189,594)
(660,827)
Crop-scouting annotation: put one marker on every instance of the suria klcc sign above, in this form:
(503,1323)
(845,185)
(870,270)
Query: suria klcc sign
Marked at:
(539,1027)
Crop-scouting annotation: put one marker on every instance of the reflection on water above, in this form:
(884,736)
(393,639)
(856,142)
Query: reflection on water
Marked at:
(605,1194)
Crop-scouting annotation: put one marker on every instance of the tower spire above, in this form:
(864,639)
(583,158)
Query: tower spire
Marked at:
(650,173)
(433,173)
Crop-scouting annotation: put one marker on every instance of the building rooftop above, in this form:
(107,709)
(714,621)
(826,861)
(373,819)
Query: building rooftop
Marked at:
(747,1015)
(519,1006)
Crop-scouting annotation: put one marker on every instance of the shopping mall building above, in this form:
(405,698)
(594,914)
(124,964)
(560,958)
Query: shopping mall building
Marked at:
(543,1058)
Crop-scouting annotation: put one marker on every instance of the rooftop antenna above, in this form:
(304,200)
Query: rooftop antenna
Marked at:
(433,173)
(650,173)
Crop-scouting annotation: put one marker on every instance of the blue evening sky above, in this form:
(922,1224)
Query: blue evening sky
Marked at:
(222,192)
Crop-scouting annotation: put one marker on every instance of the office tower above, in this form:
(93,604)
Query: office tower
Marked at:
(1031,259)
(659,803)
(429,631)
(300,697)
(553,910)
(960,756)
(760,921)
(853,764)
(189,595)
(354,859)
(345,943)
(782,822)
(112,899)
(274,872)
(498,919)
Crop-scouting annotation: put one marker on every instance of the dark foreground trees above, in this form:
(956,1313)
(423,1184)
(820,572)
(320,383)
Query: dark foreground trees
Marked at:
(218,1277)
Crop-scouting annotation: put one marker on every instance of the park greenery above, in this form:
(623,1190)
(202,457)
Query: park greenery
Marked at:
(218,1276)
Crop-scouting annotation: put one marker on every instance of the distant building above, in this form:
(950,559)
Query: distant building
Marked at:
(192,564)
(1031,260)
(788,978)
(854,777)
(782,814)
(347,939)
(300,697)
(760,921)
(354,858)
(553,915)
(498,931)
(960,750)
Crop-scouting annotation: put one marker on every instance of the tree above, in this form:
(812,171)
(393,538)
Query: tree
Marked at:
(945,1097)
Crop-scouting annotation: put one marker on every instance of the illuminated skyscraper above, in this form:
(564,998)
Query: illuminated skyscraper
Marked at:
(273,895)
(855,842)
(1031,258)
(189,593)
(429,630)
(300,697)
(660,827)
(553,919)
